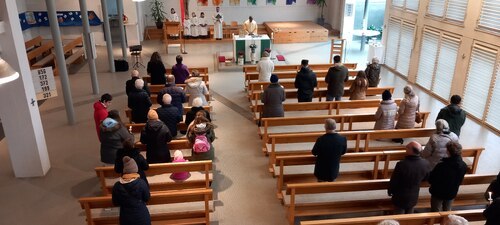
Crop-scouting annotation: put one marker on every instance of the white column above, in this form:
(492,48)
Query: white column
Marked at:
(19,112)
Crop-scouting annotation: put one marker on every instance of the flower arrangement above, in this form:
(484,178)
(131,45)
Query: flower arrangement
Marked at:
(253,47)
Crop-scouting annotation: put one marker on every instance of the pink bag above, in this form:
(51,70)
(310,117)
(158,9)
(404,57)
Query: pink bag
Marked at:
(201,144)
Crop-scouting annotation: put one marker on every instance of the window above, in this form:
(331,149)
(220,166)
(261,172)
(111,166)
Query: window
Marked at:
(449,10)
(479,78)
(438,57)
(406,4)
(493,117)
(399,45)
(490,16)
(391,52)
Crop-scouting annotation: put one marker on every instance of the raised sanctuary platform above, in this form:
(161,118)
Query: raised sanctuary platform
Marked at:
(296,32)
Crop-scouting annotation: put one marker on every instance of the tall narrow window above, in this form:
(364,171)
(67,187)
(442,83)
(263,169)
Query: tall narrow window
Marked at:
(405,48)
(445,67)
(490,16)
(391,52)
(428,55)
(450,10)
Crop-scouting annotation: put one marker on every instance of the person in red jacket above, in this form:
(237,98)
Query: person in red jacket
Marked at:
(100,111)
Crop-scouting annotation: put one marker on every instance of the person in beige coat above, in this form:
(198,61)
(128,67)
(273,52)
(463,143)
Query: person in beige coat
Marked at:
(359,86)
(386,112)
(407,108)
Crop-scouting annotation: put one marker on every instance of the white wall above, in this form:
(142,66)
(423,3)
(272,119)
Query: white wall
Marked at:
(334,13)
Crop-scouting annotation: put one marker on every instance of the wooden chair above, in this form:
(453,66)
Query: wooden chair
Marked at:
(337,48)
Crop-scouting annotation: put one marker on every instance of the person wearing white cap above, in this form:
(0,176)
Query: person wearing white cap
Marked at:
(373,72)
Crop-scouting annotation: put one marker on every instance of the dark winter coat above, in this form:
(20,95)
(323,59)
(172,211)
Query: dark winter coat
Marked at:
(111,140)
(492,213)
(191,114)
(494,187)
(372,72)
(446,178)
(404,185)
(273,98)
(209,132)
(305,82)
(335,79)
(139,102)
(328,149)
(155,136)
(131,198)
(130,86)
(169,115)
(455,117)
(157,72)
(135,154)
(178,96)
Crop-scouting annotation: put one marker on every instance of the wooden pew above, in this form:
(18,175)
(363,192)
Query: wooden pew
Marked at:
(33,43)
(97,209)
(162,182)
(410,219)
(319,93)
(147,79)
(375,158)
(201,70)
(357,136)
(331,106)
(372,205)
(70,54)
(287,84)
(128,112)
(154,89)
(253,77)
(40,51)
(296,67)
(138,127)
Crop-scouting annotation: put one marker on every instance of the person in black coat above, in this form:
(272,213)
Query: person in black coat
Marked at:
(191,114)
(372,72)
(494,188)
(446,178)
(134,153)
(139,102)
(131,194)
(177,93)
(130,84)
(492,212)
(453,114)
(404,185)
(169,114)
(156,136)
(328,149)
(156,69)
(337,75)
(305,82)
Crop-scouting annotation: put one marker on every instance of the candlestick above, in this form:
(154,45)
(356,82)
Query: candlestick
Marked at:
(489,194)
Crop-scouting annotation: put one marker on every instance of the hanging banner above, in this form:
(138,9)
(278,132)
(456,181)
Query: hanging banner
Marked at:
(43,81)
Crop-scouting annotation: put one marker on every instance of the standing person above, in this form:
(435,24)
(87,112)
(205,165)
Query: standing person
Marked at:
(173,17)
(494,188)
(113,134)
(156,69)
(218,19)
(358,87)
(169,114)
(131,194)
(180,71)
(373,73)
(203,26)
(194,25)
(196,88)
(156,136)
(407,109)
(197,106)
(435,149)
(201,127)
(177,93)
(139,102)
(305,82)
(446,178)
(328,149)
(273,98)
(404,185)
(265,67)
(130,84)
(386,112)
(250,26)
(453,114)
(101,112)
(134,153)
(187,27)
(335,78)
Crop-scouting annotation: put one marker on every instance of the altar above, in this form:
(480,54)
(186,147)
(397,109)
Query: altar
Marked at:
(242,45)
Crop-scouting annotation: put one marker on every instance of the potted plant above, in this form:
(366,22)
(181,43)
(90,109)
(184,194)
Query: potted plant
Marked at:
(157,13)
(321,4)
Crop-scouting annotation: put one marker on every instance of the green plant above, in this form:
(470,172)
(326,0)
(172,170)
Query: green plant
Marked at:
(321,4)
(157,11)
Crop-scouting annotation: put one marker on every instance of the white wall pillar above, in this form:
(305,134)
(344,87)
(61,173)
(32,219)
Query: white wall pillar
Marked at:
(19,112)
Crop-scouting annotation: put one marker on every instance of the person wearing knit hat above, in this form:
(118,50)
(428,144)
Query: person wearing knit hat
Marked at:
(112,133)
(131,194)
(265,67)
(179,176)
(201,127)
(385,116)
(129,150)
(273,98)
(139,102)
(155,136)
(305,82)
(407,109)
(373,73)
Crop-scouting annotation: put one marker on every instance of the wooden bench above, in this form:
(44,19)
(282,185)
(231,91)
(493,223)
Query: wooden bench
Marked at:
(376,204)
(41,51)
(158,176)
(330,106)
(289,76)
(147,79)
(72,56)
(177,144)
(255,85)
(100,210)
(128,112)
(154,89)
(33,43)
(410,219)
(138,127)
(296,67)
(202,70)
(375,158)
(367,136)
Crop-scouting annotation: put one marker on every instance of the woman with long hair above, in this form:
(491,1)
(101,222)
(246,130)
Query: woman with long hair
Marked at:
(358,88)
(156,69)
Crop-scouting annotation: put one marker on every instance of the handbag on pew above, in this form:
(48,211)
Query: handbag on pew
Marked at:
(121,65)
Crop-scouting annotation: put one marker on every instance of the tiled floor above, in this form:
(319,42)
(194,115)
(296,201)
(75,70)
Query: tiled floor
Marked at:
(245,190)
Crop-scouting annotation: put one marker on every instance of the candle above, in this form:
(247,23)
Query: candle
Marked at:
(489,194)
(130,129)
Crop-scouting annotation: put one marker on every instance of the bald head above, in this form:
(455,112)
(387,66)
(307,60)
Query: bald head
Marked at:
(170,79)
(167,99)
(413,148)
